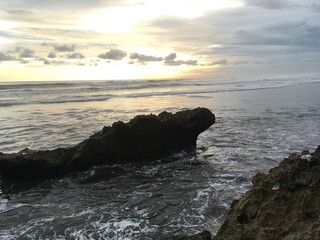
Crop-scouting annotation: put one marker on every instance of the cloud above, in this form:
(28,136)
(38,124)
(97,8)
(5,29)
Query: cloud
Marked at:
(64,48)
(19,15)
(180,62)
(246,32)
(52,55)
(17,35)
(300,34)
(75,56)
(169,22)
(113,54)
(279,31)
(170,57)
(54,62)
(315,7)
(219,62)
(18,49)
(169,60)
(271,4)
(25,52)
(145,58)
(68,4)
(36,17)
(50,34)
(6,57)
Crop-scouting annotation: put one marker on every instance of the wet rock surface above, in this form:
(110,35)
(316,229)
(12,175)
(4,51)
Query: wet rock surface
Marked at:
(144,138)
(282,204)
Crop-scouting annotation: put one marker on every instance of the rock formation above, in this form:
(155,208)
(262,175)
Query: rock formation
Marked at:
(282,204)
(144,138)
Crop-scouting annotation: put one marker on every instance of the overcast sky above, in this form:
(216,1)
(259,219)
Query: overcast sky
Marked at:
(152,39)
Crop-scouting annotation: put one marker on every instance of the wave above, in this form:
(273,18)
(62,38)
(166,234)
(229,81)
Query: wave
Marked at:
(86,91)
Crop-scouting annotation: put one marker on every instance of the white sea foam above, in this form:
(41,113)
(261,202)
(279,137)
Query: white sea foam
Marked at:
(3,204)
(6,206)
(306,157)
(123,229)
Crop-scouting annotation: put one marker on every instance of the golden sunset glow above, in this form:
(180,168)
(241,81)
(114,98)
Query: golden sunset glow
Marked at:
(131,39)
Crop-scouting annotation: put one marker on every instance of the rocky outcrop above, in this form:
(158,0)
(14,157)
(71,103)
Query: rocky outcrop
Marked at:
(144,138)
(282,204)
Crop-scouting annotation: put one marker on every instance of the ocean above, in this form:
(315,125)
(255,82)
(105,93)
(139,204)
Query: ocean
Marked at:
(258,123)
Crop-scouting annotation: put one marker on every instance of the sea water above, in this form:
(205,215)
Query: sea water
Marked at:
(258,123)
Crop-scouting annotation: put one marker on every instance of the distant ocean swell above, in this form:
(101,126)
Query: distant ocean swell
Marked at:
(63,92)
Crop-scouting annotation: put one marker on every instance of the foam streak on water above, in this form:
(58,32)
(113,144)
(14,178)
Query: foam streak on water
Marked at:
(258,123)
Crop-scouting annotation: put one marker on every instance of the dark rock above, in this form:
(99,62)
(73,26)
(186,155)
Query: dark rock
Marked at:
(205,235)
(144,138)
(282,204)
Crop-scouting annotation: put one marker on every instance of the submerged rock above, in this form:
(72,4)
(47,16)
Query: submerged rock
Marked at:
(144,138)
(282,204)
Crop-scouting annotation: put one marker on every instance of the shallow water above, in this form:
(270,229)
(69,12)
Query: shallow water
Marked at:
(258,124)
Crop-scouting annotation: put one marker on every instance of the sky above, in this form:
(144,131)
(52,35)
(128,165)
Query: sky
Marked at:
(153,39)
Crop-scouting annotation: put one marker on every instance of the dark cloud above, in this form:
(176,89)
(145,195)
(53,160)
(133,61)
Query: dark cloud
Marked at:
(52,55)
(145,58)
(6,57)
(219,62)
(65,48)
(169,60)
(26,53)
(241,62)
(315,7)
(271,4)
(113,54)
(180,62)
(291,34)
(247,31)
(170,57)
(75,56)
(18,49)
(54,62)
